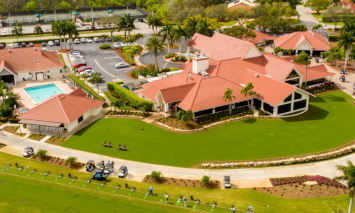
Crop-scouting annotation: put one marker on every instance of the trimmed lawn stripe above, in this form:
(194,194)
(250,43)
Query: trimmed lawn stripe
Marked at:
(327,125)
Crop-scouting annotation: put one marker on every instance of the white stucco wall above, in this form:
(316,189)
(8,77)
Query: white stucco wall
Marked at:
(253,52)
(87,114)
(304,45)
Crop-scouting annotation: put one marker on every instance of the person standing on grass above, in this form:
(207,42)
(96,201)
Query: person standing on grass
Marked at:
(185,201)
(151,190)
(233,209)
(166,198)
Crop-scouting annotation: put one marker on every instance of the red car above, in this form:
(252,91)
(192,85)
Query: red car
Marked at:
(30,45)
(81,69)
(79,65)
(2,46)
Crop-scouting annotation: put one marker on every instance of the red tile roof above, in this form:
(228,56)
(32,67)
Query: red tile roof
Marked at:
(259,36)
(177,93)
(247,7)
(28,59)
(352,8)
(61,109)
(290,41)
(345,2)
(78,92)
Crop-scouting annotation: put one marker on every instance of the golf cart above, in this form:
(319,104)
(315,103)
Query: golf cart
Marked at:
(227,182)
(342,78)
(100,174)
(90,166)
(28,152)
(123,171)
(101,165)
(354,86)
(109,167)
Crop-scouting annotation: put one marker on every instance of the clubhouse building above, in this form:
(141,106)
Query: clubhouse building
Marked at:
(227,62)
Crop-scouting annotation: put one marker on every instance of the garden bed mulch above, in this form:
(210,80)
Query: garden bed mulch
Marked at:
(120,54)
(128,74)
(176,123)
(64,51)
(56,140)
(2,145)
(36,137)
(183,182)
(13,130)
(59,162)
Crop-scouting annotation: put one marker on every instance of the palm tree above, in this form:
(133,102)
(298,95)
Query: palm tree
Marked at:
(127,23)
(16,32)
(228,96)
(191,25)
(349,176)
(96,79)
(302,58)
(167,34)
(38,31)
(248,92)
(349,27)
(178,33)
(204,27)
(155,45)
(58,28)
(154,22)
(117,103)
(346,40)
(72,31)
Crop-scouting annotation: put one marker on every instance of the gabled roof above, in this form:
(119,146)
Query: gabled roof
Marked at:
(177,93)
(352,8)
(259,36)
(291,41)
(78,92)
(61,109)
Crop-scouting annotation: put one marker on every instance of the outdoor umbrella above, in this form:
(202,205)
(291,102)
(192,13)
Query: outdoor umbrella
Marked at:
(75,13)
(38,15)
(110,11)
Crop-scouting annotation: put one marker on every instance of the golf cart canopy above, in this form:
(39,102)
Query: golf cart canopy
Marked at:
(108,165)
(27,148)
(98,170)
(90,162)
(227,178)
(123,168)
(101,163)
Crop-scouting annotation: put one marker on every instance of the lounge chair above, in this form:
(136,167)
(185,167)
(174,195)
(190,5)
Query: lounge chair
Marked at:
(36,127)
(51,129)
(104,144)
(124,148)
(46,128)
(109,144)
(29,126)
(119,147)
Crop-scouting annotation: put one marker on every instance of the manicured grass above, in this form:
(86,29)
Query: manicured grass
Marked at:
(86,87)
(241,198)
(328,124)
(315,15)
(61,55)
(229,23)
(109,96)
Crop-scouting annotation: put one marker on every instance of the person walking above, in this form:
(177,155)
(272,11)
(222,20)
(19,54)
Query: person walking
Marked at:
(233,209)
(166,198)
(151,190)
(185,201)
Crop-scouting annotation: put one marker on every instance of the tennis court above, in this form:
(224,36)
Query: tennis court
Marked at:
(32,19)
(103,13)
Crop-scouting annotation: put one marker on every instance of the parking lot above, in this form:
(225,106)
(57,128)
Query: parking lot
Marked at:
(102,61)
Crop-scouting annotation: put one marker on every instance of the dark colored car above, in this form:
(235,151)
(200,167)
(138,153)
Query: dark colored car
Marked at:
(57,42)
(109,39)
(102,39)
(2,46)
(30,45)
(141,20)
(82,24)
(23,44)
(44,44)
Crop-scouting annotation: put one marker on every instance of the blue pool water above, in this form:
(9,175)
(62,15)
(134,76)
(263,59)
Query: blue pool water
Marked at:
(185,54)
(41,93)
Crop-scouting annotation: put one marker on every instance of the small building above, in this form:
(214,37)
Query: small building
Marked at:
(62,112)
(261,39)
(311,42)
(241,4)
(20,64)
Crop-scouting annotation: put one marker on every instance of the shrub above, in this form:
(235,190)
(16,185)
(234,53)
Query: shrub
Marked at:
(180,114)
(170,55)
(119,82)
(206,180)
(71,160)
(41,153)
(173,60)
(87,20)
(14,120)
(333,37)
(86,87)
(132,100)
(4,119)
(261,113)
(105,46)
(299,27)
(155,176)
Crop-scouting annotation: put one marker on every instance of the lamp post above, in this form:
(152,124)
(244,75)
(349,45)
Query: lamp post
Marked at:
(3,94)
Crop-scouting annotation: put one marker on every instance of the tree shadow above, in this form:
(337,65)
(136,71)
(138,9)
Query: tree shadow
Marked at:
(317,100)
(83,130)
(313,113)
(335,98)
(249,121)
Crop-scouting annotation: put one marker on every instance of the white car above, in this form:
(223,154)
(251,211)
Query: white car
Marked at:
(83,40)
(50,43)
(124,44)
(96,39)
(16,45)
(88,72)
(76,41)
(3,32)
(116,45)
(69,41)
(89,40)
(121,65)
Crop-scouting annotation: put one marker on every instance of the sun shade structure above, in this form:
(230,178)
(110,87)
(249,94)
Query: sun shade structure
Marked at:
(110,11)
(38,15)
(75,13)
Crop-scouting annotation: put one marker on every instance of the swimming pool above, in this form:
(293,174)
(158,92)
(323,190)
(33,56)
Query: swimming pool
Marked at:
(41,93)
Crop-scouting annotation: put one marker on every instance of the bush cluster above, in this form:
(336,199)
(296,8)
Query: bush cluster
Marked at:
(170,55)
(221,116)
(130,98)
(86,87)
(319,179)
(321,87)
(127,112)
(14,120)
(105,46)
(299,27)
(333,37)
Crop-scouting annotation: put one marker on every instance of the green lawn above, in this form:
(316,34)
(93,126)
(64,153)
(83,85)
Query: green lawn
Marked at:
(328,124)
(109,96)
(229,23)
(315,15)
(17,194)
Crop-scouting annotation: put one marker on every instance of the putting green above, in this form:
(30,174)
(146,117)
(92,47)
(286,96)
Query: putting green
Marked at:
(328,124)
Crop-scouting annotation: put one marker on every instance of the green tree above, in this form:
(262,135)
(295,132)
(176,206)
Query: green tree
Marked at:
(178,33)
(248,92)
(71,160)
(336,14)
(317,5)
(303,58)
(127,23)
(219,12)
(58,29)
(188,116)
(240,32)
(348,176)
(71,30)
(64,5)
(16,32)
(346,40)
(167,34)
(112,23)
(206,180)
(292,3)
(96,79)
(204,27)
(154,22)
(41,153)
(117,103)
(155,176)
(30,6)
(228,96)
(241,15)
(155,45)
(37,30)
(191,25)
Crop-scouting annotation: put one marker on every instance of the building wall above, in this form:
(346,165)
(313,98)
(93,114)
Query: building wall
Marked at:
(253,52)
(87,114)
(304,96)
(51,73)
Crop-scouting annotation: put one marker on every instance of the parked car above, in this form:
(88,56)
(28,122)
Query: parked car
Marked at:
(89,40)
(83,40)
(50,43)
(125,44)
(74,51)
(16,45)
(44,44)
(121,65)
(88,72)
(31,45)
(23,44)
(96,39)
(82,24)
(81,69)
(2,46)
(47,30)
(80,64)
(3,32)
(69,41)
(57,42)
(109,39)
(102,39)
(76,41)
(116,45)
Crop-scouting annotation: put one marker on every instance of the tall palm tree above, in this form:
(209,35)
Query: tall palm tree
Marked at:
(302,58)
(16,32)
(127,23)
(38,31)
(154,22)
(349,27)
(191,25)
(96,79)
(204,27)
(346,40)
(166,34)
(58,28)
(349,176)
(248,92)
(72,31)
(178,33)
(228,96)
(155,45)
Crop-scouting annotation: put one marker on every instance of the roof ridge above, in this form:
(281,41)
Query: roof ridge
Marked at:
(295,33)
(198,86)
(183,85)
(60,103)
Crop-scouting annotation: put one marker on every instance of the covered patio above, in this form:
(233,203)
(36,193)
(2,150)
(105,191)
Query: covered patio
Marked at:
(43,127)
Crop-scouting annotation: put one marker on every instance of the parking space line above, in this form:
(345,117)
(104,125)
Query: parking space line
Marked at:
(103,69)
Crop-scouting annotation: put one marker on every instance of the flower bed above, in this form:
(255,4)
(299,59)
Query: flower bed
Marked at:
(321,88)
(124,112)
(221,116)
(319,179)
(36,137)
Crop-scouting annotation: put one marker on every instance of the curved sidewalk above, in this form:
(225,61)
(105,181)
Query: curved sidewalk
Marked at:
(138,170)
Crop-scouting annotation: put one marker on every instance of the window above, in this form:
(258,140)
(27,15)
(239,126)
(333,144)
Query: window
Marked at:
(80,119)
(293,82)
(268,108)
(221,108)
(289,98)
(297,96)
(283,108)
(293,74)
(203,112)
(61,71)
(299,104)
(240,104)
(257,103)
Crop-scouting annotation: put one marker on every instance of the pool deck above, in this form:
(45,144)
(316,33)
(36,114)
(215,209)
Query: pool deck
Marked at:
(25,101)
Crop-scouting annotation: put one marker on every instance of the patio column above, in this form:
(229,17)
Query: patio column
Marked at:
(311,53)
(213,111)
(188,53)
(296,51)
(275,111)
(262,105)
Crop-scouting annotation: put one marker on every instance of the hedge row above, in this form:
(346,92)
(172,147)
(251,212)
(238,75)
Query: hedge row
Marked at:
(347,18)
(86,87)
(333,37)
(46,40)
(14,120)
(134,101)
(50,33)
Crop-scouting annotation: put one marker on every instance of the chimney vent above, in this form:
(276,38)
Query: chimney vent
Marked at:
(8,50)
(203,53)
(256,75)
(189,76)
(34,48)
(312,34)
